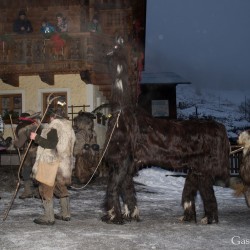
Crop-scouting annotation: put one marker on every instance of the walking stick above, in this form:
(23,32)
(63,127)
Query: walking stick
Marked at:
(11,123)
(21,164)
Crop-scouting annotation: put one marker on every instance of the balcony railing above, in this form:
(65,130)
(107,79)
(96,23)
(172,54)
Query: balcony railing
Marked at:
(59,53)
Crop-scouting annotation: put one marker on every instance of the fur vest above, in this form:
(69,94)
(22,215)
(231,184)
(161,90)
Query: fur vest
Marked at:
(64,148)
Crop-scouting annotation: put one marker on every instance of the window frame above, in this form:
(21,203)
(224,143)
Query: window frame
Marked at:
(11,105)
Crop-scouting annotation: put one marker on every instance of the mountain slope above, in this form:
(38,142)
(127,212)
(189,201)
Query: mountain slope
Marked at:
(223,106)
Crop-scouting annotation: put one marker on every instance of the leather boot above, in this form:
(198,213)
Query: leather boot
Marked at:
(48,217)
(27,192)
(65,210)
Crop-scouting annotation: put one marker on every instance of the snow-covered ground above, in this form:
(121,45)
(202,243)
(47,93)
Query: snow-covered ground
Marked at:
(159,199)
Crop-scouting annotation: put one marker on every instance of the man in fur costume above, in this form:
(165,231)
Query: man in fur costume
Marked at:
(244,140)
(86,150)
(56,143)
(27,123)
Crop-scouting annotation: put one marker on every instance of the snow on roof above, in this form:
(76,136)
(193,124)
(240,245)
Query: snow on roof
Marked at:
(162,78)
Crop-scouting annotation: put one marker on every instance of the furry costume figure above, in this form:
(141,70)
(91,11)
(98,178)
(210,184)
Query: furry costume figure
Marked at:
(64,149)
(86,150)
(139,139)
(56,143)
(244,140)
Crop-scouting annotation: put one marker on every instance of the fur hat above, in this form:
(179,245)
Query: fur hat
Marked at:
(28,117)
(57,113)
(25,114)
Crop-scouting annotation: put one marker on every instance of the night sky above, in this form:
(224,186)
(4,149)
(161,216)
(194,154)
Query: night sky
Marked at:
(207,42)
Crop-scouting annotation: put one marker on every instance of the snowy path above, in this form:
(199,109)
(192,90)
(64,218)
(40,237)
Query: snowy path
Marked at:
(159,201)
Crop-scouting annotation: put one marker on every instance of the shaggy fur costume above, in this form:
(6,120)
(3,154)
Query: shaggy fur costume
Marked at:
(63,151)
(244,140)
(86,150)
(199,145)
(140,139)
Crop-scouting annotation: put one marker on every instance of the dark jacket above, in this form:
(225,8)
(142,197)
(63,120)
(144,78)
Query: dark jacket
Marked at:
(50,142)
(18,24)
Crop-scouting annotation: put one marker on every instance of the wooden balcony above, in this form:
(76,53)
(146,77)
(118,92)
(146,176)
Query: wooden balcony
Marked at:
(34,54)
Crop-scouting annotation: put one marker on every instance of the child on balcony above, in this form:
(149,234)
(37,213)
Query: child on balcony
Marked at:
(62,24)
(46,27)
(94,25)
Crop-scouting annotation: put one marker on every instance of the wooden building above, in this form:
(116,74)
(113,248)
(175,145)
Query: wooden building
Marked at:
(158,93)
(73,64)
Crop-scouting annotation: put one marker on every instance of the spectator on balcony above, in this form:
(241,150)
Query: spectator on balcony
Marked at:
(62,24)
(47,28)
(22,25)
(94,25)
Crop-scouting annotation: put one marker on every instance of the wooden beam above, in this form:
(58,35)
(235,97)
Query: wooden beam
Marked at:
(47,77)
(104,87)
(86,76)
(101,79)
(11,79)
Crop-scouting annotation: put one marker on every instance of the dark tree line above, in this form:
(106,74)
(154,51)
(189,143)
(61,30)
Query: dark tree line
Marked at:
(244,109)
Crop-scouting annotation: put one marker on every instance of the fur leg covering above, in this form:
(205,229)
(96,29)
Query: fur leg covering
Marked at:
(118,174)
(188,197)
(129,200)
(209,200)
(65,210)
(48,217)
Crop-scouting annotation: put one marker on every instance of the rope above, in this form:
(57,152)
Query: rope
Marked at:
(116,124)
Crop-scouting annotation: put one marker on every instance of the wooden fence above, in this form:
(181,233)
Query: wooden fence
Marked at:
(75,109)
(235,161)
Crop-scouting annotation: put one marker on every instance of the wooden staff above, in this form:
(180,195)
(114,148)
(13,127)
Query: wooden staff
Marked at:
(236,150)
(21,164)
(11,123)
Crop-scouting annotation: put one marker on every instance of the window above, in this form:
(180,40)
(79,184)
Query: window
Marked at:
(109,19)
(114,19)
(10,104)
(60,101)
(160,108)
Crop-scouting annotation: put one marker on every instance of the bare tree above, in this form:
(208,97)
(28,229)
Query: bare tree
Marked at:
(244,109)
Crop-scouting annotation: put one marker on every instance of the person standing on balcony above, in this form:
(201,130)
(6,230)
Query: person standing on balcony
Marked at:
(47,27)
(94,25)
(22,25)
(62,24)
